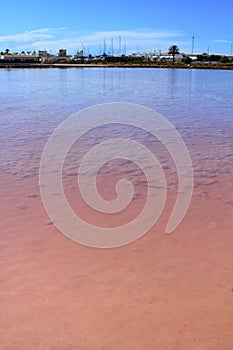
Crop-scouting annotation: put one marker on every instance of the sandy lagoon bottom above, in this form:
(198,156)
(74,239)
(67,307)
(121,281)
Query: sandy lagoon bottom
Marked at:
(161,292)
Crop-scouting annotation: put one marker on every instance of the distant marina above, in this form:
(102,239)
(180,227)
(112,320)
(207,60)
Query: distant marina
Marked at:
(171,59)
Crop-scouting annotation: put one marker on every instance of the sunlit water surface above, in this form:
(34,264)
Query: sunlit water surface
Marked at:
(199,103)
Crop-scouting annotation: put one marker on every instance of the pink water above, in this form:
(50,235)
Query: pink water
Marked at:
(160,292)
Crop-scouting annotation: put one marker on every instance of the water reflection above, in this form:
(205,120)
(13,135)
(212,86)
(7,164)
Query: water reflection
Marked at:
(34,102)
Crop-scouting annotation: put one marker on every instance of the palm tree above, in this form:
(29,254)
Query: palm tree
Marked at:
(7,51)
(173,50)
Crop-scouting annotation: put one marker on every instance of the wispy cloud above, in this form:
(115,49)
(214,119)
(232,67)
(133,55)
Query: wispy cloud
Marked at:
(144,39)
(29,36)
(222,41)
(55,38)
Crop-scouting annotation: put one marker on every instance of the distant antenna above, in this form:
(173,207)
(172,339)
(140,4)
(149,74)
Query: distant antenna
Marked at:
(120,44)
(192,45)
(208,50)
(83,49)
(137,48)
(112,50)
(104,47)
(125,49)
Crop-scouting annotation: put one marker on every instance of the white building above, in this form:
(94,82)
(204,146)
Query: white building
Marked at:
(19,58)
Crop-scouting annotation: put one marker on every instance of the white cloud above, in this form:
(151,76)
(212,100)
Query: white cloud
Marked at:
(56,38)
(222,41)
(29,36)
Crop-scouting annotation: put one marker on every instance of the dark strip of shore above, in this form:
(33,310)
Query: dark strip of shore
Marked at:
(144,65)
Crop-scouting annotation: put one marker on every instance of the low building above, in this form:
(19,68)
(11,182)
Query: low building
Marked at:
(137,55)
(191,55)
(55,59)
(79,54)
(19,58)
(42,53)
(48,58)
(165,57)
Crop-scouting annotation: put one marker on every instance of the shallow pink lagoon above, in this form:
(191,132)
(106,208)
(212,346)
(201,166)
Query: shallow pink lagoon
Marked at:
(162,291)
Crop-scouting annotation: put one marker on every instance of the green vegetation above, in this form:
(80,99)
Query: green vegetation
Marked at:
(187,60)
(212,58)
(224,59)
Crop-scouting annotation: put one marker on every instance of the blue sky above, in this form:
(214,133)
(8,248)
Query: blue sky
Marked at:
(31,25)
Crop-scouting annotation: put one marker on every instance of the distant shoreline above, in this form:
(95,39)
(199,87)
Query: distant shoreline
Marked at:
(143,65)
